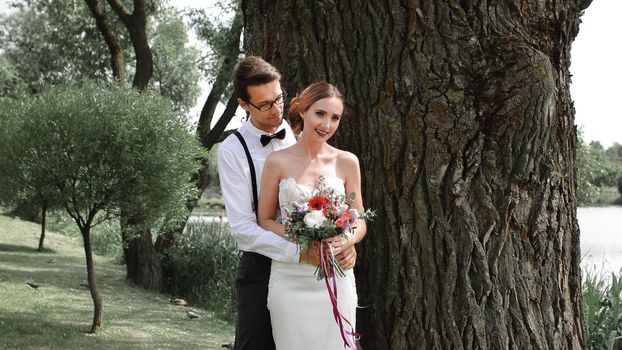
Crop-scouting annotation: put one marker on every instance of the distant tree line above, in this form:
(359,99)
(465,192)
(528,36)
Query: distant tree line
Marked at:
(598,170)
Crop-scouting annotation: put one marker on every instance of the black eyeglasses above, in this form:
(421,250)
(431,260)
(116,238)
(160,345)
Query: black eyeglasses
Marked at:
(268,105)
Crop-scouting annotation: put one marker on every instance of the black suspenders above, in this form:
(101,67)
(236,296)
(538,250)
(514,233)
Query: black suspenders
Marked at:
(252,169)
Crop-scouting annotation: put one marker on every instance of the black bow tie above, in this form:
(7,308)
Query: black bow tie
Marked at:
(265,139)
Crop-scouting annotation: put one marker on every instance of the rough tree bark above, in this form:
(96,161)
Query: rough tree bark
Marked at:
(461,116)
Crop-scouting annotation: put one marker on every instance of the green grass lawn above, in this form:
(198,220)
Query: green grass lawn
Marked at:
(59,313)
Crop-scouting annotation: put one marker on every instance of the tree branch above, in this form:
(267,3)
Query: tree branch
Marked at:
(222,79)
(214,134)
(139,9)
(117,59)
(122,11)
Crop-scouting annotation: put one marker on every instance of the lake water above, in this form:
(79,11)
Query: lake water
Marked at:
(601,238)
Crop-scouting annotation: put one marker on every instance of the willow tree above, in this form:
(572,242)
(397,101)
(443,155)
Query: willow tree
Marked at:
(462,119)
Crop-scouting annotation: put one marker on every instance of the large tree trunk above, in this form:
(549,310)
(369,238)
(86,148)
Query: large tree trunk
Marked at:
(143,263)
(144,57)
(461,116)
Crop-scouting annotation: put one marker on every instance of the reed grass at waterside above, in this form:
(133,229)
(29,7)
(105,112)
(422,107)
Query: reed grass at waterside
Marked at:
(602,302)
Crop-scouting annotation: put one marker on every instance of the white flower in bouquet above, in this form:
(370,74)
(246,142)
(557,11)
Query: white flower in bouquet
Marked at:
(314,218)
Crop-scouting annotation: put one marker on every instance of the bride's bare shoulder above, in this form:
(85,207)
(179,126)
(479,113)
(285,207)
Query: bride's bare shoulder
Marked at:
(347,158)
(279,158)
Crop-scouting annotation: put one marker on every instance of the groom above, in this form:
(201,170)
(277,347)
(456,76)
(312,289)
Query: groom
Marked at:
(258,88)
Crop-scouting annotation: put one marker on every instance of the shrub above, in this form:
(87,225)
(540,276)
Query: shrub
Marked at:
(202,266)
(106,240)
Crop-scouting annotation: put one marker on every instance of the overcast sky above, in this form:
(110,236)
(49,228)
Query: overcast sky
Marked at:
(595,67)
(597,73)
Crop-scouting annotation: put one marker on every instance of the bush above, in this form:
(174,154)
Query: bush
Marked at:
(106,240)
(602,301)
(202,266)
(213,202)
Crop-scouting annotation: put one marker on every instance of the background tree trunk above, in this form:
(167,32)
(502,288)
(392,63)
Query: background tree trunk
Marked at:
(42,236)
(461,116)
(136,24)
(90,271)
(142,260)
(223,79)
(117,59)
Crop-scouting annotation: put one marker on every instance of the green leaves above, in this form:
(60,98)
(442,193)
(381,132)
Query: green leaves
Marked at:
(104,147)
(57,42)
(595,170)
(176,73)
(602,301)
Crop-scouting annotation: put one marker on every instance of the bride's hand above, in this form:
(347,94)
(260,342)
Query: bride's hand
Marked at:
(345,253)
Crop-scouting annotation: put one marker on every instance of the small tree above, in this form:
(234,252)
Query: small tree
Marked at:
(21,184)
(8,164)
(105,148)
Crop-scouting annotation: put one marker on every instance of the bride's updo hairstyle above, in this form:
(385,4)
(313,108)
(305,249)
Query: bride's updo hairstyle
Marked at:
(308,97)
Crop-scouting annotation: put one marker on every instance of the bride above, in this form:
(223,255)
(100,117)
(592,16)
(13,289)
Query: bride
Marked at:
(300,308)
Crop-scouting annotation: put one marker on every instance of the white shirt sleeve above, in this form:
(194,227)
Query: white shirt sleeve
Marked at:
(238,194)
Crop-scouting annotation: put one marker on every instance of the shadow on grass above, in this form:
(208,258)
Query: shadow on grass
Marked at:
(30,331)
(13,248)
(48,270)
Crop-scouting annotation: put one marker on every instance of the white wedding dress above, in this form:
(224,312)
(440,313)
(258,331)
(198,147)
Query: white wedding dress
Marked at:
(300,308)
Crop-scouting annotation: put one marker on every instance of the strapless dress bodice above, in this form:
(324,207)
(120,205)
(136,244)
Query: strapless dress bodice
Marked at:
(291,192)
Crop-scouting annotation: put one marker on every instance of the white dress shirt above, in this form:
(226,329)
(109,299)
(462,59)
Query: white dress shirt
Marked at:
(235,183)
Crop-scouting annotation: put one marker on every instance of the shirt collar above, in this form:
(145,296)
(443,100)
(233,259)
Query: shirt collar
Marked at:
(258,132)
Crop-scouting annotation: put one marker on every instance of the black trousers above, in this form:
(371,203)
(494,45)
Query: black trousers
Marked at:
(253,329)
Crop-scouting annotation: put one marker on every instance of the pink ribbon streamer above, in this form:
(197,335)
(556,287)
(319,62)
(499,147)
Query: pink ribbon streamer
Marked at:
(328,269)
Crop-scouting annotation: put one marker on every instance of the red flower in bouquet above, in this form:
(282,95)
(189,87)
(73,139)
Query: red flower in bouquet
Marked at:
(340,223)
(318,203)
(342,220)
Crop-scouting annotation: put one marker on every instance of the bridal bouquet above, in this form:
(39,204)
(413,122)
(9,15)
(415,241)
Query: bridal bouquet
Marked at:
(326,214)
